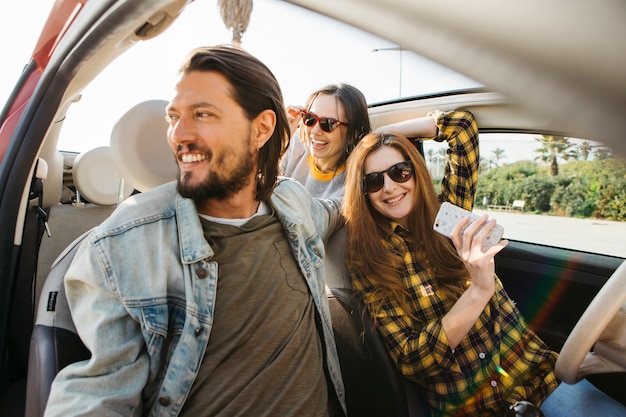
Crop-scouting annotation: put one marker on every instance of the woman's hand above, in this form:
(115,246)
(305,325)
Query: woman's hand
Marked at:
(294,115)
(468,243)
(481,267)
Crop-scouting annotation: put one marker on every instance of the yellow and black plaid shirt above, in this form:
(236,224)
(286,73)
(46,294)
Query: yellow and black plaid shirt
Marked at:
(501,360)
(460,176)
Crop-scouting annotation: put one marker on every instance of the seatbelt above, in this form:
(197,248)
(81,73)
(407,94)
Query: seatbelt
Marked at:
(22,312)
(36,192)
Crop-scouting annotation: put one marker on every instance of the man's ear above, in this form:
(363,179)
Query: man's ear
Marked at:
(263,127)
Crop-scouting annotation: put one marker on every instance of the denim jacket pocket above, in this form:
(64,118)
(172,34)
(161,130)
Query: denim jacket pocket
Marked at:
(162,325)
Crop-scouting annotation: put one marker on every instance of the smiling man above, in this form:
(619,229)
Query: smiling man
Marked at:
(206,296)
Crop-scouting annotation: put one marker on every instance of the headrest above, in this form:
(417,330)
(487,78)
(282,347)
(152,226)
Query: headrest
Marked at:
(96,178)
(139,146)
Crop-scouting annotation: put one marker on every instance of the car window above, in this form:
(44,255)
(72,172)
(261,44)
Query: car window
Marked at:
(552,190)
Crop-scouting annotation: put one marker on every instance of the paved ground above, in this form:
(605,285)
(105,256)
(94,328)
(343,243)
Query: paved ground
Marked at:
(600,236)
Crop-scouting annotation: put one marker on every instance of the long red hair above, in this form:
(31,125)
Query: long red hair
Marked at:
(370,257)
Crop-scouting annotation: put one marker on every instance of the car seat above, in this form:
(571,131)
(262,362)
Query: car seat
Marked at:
(97,179)
(54,342)
(374,386)
(146,161)
(138,138)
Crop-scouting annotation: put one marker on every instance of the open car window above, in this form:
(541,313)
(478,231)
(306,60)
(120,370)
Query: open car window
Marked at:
(550,190)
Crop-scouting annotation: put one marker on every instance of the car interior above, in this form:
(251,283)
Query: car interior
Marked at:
(139,159)
(65,194)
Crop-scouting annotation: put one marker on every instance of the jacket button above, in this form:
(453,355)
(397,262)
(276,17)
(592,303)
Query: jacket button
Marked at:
(202,273)
(198,331)
(164,401)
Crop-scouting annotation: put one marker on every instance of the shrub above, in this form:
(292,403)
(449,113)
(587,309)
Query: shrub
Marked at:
(582,189)
(537,192)
(573,197)
(611,201)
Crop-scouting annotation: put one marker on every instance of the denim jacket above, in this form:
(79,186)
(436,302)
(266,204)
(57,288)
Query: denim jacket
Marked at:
(142,290)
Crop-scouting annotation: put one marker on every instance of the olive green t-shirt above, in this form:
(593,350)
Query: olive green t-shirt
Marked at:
(264,356)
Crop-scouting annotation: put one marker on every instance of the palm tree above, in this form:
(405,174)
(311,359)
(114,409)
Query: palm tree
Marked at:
(498,154)
(555,147)
(430,157)
(585,149)
(486,163)
(442,155)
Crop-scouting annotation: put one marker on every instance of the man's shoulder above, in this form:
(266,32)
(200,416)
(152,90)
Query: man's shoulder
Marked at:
(287,187)
(291,197)
(292,194)
(149,206)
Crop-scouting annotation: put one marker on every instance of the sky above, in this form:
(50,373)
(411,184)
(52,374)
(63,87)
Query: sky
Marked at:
(19,40)
(293,47)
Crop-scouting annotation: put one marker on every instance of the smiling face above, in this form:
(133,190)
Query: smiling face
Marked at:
(211,138)
(326,147)
(394,200)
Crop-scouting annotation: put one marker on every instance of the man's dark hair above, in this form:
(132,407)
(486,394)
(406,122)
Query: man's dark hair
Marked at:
(255,89)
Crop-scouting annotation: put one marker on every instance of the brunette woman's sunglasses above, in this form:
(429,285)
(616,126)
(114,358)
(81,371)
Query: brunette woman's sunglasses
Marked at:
(400,172)
(327,124)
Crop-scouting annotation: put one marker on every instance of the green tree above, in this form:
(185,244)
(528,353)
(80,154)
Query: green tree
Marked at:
(602,154)
(498,154)
(574,196)
(443,154)
(486,163)
(430,157)
(553,149)
(584,149)
(441,159)
(595,188)
(537,192)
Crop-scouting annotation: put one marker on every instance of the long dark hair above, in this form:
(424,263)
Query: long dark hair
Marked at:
(371,257)
(255,89)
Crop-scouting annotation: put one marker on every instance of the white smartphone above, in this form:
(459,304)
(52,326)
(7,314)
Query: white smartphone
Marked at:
(449,215)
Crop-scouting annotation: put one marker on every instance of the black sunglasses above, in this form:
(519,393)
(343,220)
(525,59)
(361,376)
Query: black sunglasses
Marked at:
(328,124)
(400,172)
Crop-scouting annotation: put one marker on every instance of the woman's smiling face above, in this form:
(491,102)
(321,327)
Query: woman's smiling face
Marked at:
(394,200)
(326,147)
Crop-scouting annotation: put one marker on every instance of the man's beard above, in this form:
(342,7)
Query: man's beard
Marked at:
(218,185)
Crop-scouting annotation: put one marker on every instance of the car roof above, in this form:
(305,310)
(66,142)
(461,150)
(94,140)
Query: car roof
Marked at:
(563,59)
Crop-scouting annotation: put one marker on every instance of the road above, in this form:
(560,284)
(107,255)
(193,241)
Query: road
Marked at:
(599,236)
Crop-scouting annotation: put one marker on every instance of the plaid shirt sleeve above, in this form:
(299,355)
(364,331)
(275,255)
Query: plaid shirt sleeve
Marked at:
(460,176)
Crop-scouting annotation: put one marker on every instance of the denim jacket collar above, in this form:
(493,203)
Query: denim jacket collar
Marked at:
(193,245)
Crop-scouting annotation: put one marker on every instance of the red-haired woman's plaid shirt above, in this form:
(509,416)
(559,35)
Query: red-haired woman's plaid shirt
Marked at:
(501,360)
